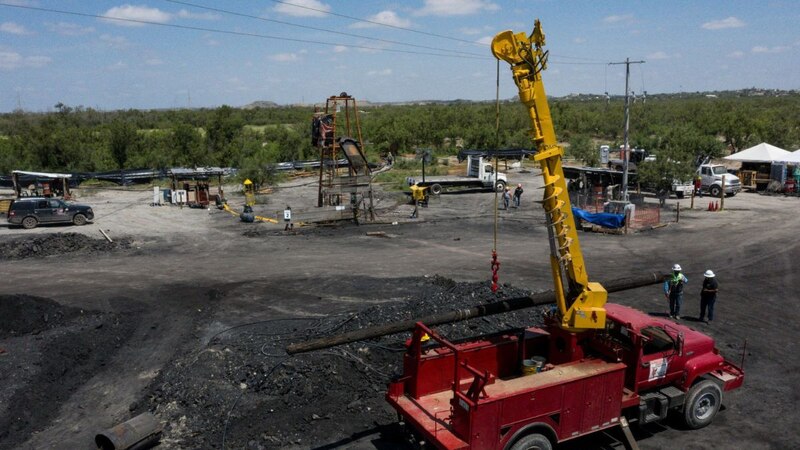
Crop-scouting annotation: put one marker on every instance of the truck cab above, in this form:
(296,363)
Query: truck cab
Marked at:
(482,169)
(711,176)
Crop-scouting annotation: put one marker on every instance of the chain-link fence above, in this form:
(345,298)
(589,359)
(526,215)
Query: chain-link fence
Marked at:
(639,214)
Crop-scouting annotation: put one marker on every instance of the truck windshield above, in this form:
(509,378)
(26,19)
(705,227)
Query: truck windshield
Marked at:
(720,170)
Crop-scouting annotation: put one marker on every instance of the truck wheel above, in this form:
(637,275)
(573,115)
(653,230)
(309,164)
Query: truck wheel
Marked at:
(679,194)
(500,186)
(79,219)
(533,442)
(29,222)
(702,404)
(436,189)
(715,191)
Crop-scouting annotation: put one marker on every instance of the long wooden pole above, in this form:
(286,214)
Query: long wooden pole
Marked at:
(508,305)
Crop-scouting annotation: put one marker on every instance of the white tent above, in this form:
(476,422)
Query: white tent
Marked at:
(794,157)
(762,152)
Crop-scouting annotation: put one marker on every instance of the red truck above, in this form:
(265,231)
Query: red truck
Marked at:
(593,366)
(481,393)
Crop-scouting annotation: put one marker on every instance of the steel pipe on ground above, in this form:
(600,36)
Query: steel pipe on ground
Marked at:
(512,304)
(139,433)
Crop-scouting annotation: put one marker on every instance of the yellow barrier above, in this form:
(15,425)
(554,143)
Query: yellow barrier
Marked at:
(261,218)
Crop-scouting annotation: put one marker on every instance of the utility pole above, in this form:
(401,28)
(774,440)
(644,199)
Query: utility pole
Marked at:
(627,157)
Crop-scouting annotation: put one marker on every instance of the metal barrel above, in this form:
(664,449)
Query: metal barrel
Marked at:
(138,433)
(502,306)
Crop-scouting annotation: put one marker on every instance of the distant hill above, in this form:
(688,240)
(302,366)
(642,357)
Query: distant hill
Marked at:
(261,104)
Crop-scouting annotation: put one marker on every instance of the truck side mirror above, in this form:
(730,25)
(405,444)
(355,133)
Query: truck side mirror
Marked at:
(489,168)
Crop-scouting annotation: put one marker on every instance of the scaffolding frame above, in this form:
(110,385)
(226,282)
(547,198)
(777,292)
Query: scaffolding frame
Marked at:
(345,141)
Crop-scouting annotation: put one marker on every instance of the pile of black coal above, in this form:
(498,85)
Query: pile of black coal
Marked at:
(25,314)
(58,244)
(243,391)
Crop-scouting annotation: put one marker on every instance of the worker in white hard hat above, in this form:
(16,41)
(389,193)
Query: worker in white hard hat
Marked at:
(673,291)
(518,195)
(708,296)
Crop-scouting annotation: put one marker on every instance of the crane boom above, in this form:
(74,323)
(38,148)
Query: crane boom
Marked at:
(580,302)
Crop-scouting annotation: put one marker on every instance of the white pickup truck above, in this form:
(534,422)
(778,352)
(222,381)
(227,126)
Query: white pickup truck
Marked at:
(682,189)
(711,176)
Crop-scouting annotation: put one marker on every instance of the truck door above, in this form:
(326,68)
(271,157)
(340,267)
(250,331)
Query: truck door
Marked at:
(487,176)
(706,177)
(657,353)
(58,211)
(43,211)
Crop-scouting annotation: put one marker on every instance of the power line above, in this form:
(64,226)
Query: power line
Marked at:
(411,30)
(358,19)
(326,30)
(234,33)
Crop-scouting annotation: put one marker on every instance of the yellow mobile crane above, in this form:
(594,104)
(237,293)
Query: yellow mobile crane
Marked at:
(580,302)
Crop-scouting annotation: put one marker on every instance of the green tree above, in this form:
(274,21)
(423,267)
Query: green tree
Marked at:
(258,165)
(123,138)
(581,147)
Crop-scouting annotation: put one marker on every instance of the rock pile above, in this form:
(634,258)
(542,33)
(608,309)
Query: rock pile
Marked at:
(243,391)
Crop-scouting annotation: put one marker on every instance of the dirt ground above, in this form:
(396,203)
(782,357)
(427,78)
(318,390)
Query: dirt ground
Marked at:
(186,315)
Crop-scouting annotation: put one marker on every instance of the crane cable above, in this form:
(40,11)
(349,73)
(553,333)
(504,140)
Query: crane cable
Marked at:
(495,262)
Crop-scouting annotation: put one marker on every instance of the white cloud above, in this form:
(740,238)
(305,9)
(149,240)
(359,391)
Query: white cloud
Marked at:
(22,2)
(14,28)
(212,42)
(730,22)
(384,17)
(762,49)
(68,29)
(284,57)
(37,61)
(154,62)
(185,14)
(658,55)
(130,12)
(10,60)
(623,18)
(470,31)
(303,8)
(380,73)
(736,54)
(119,65)
(114,41)
(486,40)
(579,40)
(339,49)
(455,7)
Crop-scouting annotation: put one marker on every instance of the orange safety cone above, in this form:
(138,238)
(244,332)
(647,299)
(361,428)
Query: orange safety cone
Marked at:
(710,206)
(716,206)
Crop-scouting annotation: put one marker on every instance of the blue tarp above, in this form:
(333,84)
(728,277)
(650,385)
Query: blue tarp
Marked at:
(607,220)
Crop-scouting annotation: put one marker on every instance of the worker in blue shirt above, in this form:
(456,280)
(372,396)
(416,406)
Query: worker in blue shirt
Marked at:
(673,291)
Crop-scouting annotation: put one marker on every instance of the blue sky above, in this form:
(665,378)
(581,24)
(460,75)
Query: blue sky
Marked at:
(246,50)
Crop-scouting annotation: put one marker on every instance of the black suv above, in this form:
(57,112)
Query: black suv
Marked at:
(32,211)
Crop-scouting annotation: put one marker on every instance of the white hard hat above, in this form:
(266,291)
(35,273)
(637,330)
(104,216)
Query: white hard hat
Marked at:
(709,274)
(676,267)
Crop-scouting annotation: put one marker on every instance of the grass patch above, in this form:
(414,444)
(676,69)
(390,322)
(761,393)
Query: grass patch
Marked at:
(395,179)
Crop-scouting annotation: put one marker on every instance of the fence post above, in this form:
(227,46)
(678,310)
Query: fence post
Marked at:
(678,213)
(627,219)
(722,195)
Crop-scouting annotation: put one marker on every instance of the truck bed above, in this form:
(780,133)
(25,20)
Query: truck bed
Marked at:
(587,396)
(451,181)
